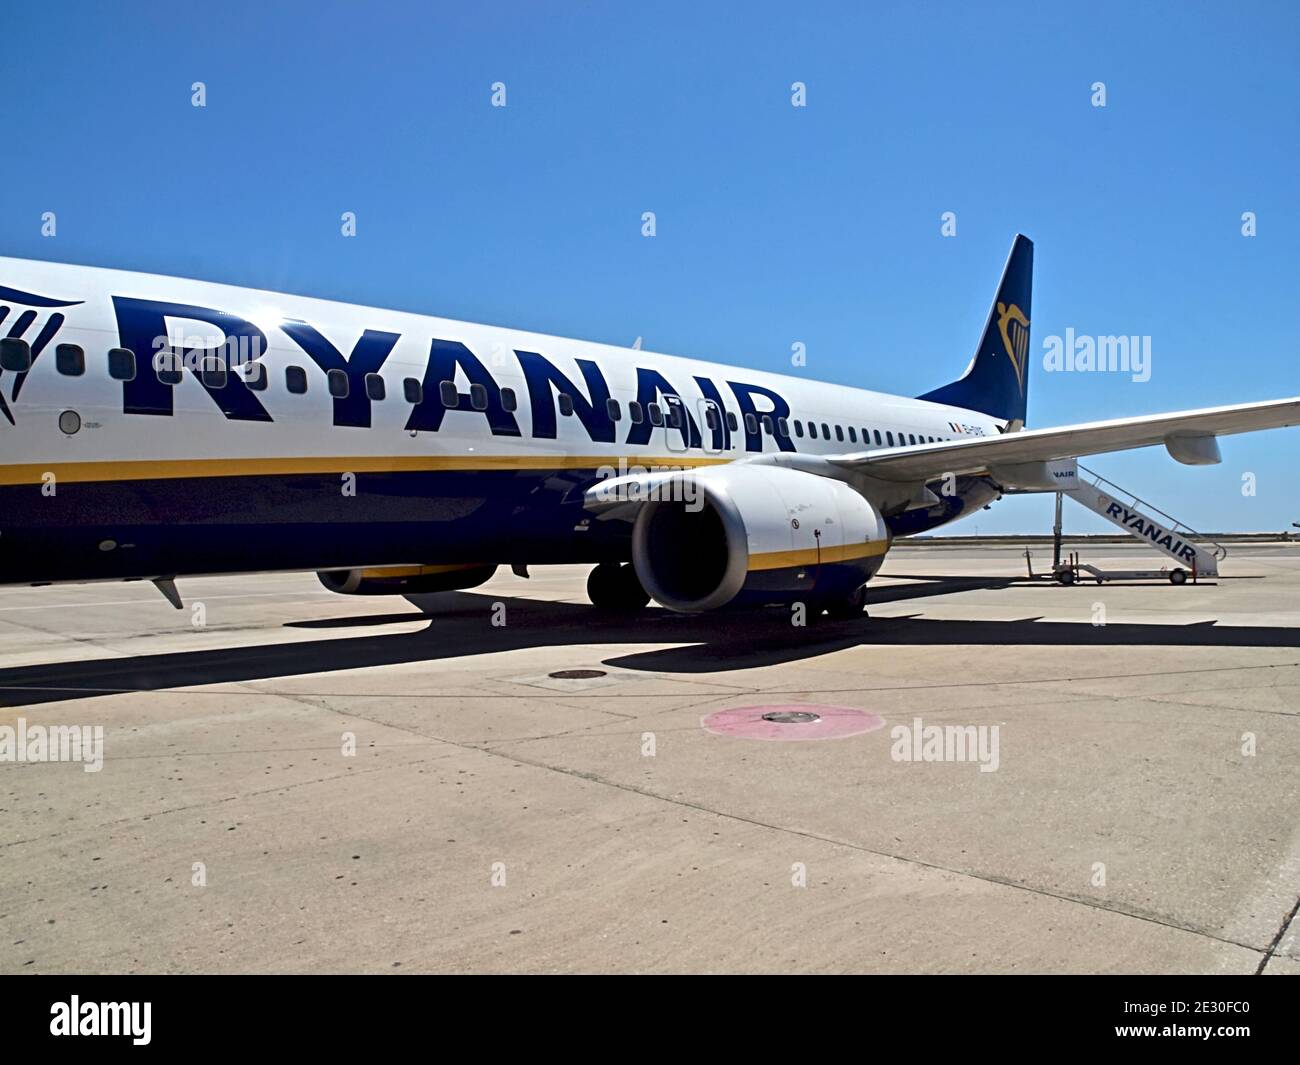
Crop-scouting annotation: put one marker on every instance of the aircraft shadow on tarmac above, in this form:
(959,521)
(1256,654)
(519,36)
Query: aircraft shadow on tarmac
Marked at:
(459,624)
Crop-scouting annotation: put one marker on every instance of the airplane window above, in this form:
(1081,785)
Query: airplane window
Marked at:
(295,379)
(566,404)
(783,426)
(15,355)
(213,374)
(675,418)
(448,394)
(826,431)
(731,421)
(798,428)
(839,433)
(338,383)
(889,437)
(877,435)
(414,391)
(375,388)
(853,435)
(812,430)
(768,427)
(478,397)
(70,360)
(866,436)
(169,367)
(255,376)
(656,415)
(911,438)
(612,409)
(711,418)
(121,364)
(751,424)
(634,413)
(508,400)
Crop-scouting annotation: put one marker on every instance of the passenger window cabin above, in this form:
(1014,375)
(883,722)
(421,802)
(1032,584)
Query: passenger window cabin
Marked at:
(15,355)
(121,364)
(213,372)
(70,360)
(255,376)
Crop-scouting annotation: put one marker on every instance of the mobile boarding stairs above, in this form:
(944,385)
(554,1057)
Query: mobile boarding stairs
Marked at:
(1193,554)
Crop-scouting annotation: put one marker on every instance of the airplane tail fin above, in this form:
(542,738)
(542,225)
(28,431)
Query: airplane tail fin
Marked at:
(997,381)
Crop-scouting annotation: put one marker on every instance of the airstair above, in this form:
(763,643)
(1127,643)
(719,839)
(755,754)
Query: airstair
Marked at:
(1162,531)
(1195,555)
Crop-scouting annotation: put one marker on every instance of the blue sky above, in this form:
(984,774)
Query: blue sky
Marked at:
(775,224)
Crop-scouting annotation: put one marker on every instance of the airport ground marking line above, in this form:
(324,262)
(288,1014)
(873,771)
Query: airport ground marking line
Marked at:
(1277,940)
(200,689)
(154,601)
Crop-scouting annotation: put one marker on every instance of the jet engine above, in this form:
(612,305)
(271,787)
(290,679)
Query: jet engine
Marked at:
(749,535)
(405,580)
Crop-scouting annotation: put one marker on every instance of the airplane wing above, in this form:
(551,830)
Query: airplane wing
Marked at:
(1181,432)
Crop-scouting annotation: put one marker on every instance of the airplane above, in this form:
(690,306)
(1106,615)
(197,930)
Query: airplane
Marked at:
(153,428)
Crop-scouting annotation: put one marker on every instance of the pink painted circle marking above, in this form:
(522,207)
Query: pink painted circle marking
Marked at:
(834,722)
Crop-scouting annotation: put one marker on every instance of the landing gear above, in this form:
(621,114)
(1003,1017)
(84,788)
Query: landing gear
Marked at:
(848,607)
(614,586)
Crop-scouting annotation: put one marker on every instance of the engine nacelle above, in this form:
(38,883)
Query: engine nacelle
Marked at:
(405,580)
(748,535)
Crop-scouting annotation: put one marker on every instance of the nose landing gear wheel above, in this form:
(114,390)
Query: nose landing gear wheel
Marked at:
(613,586)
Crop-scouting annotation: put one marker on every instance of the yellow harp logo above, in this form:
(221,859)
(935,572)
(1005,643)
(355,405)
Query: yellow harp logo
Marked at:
(1014,327)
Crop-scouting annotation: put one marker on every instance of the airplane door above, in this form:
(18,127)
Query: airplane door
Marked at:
(677,428)
(712,430)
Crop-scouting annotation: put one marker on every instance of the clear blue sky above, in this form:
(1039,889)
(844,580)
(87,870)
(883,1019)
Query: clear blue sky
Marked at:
(775,224)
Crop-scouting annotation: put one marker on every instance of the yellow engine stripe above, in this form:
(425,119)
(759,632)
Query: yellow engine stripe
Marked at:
(811,556)
(390,572)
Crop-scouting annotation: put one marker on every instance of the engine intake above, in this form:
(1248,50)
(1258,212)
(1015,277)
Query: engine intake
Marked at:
(746,535)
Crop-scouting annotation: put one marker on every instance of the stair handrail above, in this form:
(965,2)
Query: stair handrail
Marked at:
(1186,531)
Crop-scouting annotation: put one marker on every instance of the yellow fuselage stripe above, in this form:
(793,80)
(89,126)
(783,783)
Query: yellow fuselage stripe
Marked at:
(172,469)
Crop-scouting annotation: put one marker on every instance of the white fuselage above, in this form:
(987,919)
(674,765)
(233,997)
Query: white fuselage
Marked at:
(549,413)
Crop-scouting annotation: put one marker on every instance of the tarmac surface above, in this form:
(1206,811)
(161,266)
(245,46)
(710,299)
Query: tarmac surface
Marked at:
(298,781)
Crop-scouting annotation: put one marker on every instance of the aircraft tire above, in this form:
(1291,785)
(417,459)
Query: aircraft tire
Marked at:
(848,607)
(613,586)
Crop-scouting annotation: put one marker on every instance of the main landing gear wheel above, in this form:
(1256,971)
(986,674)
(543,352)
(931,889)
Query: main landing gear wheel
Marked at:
(614,586)
(850,606)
